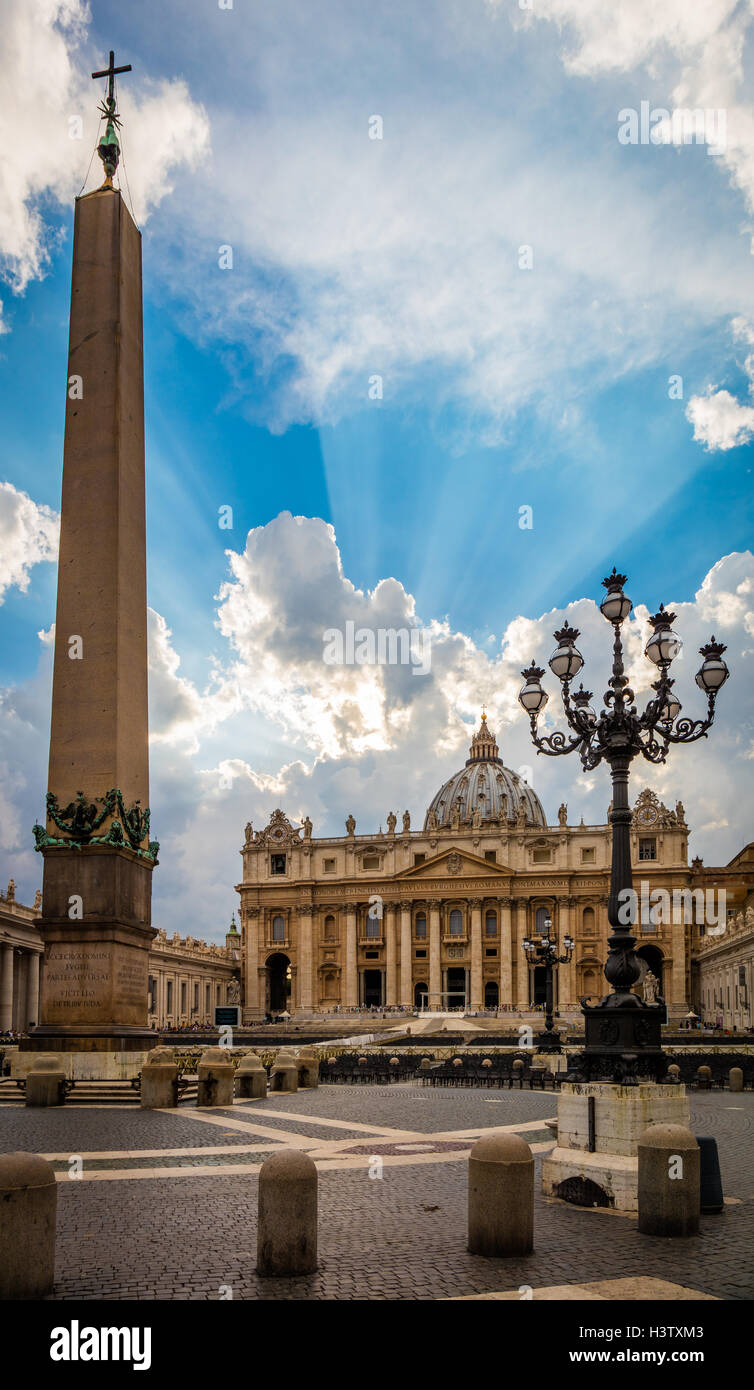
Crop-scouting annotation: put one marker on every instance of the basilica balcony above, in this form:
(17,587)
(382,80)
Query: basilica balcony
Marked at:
(277,943)
(370,941)
(454,938)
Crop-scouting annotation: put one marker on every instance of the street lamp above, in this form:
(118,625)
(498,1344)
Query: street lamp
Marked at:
(623,1033)
(545,952)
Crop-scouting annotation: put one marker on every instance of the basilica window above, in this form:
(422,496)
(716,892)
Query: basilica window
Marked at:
(648,849)
(373,926)
(195,1005)
(329,929)
(277,863)
(208,999)
(541,856)
(370,861)
(183,997)
(491,856)
(542,915)
(170,997)
(490,924)
(419,859)
(588,856)
(328,866)
(420,926)
(278,928)
(455,923)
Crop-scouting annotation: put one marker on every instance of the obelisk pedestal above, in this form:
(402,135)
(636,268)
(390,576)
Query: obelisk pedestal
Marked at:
(98,858)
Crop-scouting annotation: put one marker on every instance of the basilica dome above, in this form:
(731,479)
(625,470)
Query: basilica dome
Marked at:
(484,791)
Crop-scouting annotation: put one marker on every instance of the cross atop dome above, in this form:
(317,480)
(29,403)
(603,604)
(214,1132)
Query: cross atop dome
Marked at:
(483,745)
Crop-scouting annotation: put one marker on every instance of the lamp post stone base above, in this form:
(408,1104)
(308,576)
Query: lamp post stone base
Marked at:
(595,1161)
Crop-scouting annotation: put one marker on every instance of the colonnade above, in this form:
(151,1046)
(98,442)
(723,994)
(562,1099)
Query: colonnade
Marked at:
(19,987)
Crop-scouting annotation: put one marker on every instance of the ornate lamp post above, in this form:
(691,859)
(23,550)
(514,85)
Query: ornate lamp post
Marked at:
(623,1037)
(545,952)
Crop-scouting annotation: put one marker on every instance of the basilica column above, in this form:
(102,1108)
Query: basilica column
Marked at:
(252,959)
(407,995)
(476,953)
(506,952)
(522,965)
(352,977)
(6,988)
(391,970)
(305,955)
(567,973)
(435,978)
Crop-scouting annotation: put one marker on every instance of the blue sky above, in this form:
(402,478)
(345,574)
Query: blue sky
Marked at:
(502,387)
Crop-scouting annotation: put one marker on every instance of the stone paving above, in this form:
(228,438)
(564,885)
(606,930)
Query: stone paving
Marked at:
(166,1207)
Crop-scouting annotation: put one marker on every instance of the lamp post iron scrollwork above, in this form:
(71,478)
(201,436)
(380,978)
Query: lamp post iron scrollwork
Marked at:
(623,1033)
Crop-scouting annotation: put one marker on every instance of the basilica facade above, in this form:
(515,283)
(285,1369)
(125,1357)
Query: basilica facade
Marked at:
(437,916)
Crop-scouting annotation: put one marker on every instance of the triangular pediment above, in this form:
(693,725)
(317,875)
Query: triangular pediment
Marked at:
(455,862)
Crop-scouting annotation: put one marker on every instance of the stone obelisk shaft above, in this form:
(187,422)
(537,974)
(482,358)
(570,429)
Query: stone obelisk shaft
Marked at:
(99,705)
(98,859)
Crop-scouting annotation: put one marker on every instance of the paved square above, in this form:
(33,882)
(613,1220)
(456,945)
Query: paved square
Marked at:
(165,1204)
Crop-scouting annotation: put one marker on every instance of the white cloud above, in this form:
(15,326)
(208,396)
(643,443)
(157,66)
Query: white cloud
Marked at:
(28,534)
(45,87)
(719,420)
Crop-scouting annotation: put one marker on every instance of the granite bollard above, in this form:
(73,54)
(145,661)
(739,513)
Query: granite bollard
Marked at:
(501,1196)
(251,1078)
(215,1072)
(307,1064)
(736,1079)
(159,1080)
(45,1081)
(28,1215)
(284,1073)
(287,1215)
(669,1178)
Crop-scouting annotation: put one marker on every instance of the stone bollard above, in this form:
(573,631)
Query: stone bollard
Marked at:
(251,1078)
(215,1072)
(284,1074)
(287,1215)
(736,1079)
(703,1078)
(518,1072)
(45,1081)
(159,1080)
(307,1064)
(28,1214)
(668,1181)
(674,1073)
(501,1196)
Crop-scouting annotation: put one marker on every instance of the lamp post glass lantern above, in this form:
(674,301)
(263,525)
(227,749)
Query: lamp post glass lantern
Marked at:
(623,1033)
(544,952)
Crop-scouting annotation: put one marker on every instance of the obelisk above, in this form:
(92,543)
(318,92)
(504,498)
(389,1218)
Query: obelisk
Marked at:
(98,858)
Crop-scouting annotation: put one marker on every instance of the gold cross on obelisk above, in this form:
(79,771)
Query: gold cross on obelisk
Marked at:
(108,148)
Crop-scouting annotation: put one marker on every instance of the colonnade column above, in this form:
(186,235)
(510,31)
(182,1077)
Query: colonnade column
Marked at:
(6,988)
(435,977)
(391,970)
(406,975)
(678,1001)
(352,977)
(476,1000)
(522,965)
(506,952)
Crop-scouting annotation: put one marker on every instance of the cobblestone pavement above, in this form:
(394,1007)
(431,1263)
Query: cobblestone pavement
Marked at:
(192,1234)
